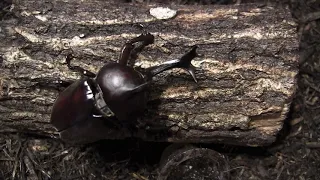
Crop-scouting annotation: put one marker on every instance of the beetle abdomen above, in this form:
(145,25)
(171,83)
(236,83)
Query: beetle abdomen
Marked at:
(74,104)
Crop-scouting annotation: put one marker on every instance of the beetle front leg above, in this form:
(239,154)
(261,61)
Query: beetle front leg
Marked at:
(78,69)
(128,51)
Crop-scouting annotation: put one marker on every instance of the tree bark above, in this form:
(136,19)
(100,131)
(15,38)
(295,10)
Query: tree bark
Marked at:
(246,76)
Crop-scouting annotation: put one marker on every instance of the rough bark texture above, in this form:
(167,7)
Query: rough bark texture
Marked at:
(246,76)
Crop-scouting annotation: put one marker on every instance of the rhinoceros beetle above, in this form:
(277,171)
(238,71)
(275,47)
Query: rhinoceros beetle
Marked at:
(117,93)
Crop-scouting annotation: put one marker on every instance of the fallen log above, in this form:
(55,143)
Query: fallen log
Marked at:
(246,76)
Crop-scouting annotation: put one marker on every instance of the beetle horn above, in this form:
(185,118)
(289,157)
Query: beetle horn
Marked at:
(184,62)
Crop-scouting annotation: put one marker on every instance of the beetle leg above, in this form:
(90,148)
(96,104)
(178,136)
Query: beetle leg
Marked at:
(78,68)
(128,51)
(184,62)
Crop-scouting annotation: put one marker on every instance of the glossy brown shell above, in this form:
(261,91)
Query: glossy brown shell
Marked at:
(119,86)
(73,105)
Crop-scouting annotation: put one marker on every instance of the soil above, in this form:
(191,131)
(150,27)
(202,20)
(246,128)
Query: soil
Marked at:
(296,154)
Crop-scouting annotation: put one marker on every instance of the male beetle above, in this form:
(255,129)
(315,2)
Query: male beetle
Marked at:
(117,93)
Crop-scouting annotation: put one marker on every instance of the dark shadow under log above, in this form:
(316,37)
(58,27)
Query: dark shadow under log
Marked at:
(247,76)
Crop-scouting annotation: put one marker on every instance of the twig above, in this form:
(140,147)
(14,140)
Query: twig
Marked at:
(30,168)
(280,172)
(16,161)
(7,159)
(310,17)
(313,145)
(31,157)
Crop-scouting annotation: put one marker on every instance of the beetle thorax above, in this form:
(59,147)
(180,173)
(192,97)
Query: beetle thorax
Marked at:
(115,79)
